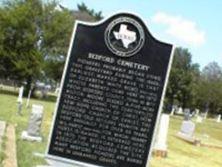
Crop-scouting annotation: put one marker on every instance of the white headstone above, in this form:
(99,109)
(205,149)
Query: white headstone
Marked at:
(219,118)
(197,111)
(174,108)
(34,126)
(172,112)
(180,110)
(29,96)
(206,114)
(199,119)
(1,86)
(57,90)
(21,90)
(188,128)
(161,138)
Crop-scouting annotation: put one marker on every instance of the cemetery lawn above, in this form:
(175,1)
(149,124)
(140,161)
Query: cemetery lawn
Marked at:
(180,153)
(25,150)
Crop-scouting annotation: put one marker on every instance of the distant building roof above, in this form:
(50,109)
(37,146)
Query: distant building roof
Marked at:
(79,15)
(83,16)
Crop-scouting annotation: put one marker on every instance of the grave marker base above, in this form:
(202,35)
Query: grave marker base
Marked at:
(160,153)
(26,136)
(54,163)
(189,139)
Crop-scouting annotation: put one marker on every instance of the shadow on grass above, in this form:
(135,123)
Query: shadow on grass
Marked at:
(49,98)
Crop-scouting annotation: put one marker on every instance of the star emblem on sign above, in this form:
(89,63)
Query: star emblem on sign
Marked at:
(126,36)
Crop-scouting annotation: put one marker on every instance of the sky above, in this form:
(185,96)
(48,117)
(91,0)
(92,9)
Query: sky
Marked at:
(192,24)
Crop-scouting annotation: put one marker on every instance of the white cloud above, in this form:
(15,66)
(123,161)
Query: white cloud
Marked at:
(181,28)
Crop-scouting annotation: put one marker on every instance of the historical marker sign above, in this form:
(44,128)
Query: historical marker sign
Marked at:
(112,91)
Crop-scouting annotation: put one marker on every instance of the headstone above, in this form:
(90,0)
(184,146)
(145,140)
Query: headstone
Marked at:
(2,131)
(199,119)
(197,112)
(219,118)
(187,115)
(57,90)
(160,146)
(206,111)
(21,90)
(1,86)
(174,109)
(187,128)
(44,92)
(111,94)
(34,126)
(19,100)
(2,128)
(29,96)
(180,110)
(186,133)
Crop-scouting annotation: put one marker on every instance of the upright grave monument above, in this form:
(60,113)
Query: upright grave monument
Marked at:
(219,118)
(111,94)
(29,96)
(19,100)
(173,110)
(199,119)
(187,115)
(186,132)
(35,121)
(160,146)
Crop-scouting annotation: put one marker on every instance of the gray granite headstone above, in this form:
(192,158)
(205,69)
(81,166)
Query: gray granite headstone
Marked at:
(174,109)
(187,116)
(34,126)
(35,120)
(187,128)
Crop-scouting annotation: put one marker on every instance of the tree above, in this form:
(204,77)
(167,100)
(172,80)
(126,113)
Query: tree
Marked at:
(212,72)
(33,34)
(83,8)
(56,32)
(182,79)
(19,26)
(210,88)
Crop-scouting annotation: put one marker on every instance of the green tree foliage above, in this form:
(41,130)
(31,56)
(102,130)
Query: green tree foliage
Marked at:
(56,32)
(183,78)
(188,87)
(19,27)
(210,88)
(83,8)
(34,36)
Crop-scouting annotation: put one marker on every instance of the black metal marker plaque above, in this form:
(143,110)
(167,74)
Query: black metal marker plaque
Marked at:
(111,94)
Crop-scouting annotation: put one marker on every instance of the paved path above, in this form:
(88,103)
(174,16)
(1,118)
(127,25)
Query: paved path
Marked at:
(10,151)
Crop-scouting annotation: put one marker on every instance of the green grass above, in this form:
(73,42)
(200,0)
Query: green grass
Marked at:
(25,149)
(2,149)
(180,153)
